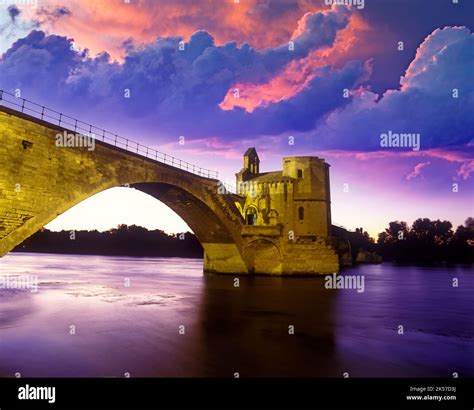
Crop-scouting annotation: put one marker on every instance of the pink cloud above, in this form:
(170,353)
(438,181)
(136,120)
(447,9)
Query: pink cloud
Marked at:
(205,146)
(298,73)
(454,155)
(466,170)
(143,21)
(459,156)
(417,170)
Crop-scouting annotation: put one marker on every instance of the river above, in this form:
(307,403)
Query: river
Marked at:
(97,316)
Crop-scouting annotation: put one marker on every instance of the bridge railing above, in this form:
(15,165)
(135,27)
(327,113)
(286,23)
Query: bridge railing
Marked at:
(80,127)
(228,188)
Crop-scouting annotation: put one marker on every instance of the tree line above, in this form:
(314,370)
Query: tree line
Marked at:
(124,240)
(425,241)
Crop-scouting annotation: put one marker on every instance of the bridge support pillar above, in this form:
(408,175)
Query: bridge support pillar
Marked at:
(223,258)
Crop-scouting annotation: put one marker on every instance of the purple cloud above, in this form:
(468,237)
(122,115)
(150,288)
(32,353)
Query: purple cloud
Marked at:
(175,90)
(436,100)
(178,92)
(40,65)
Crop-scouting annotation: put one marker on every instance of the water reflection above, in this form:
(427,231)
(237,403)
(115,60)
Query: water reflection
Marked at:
(267,327)
(174,321)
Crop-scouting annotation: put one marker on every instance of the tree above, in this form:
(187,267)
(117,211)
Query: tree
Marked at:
(427,241)
(462,244)
(396,231)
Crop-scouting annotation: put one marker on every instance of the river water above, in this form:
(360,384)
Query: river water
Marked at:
(112,316)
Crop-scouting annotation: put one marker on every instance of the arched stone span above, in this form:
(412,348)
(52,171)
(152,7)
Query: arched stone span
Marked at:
(39,181)
(263,256)
(221,241)
(200,218)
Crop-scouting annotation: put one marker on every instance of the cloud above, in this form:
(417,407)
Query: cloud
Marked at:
(465,170)
(50,15)
(459,154)
(266,23)
(172,90)
(13,12)
(298,73)
(38,62)
(433,56)
(184,92)
(424,103)
(13,26)
(447,164)
(417,170)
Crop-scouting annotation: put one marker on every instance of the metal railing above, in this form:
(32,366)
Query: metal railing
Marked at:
(72,124)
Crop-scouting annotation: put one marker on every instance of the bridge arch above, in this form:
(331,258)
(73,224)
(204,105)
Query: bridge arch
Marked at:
(42,181)
(264,256)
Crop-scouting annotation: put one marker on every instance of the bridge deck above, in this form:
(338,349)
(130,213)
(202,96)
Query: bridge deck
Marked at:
(53,117)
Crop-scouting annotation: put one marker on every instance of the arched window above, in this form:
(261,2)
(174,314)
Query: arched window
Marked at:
(300,213)
(251,216)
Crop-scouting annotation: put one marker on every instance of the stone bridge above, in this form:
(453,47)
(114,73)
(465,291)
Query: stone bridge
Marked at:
(39,181)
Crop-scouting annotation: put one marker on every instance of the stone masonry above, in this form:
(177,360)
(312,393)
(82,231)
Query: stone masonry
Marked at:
(278,223)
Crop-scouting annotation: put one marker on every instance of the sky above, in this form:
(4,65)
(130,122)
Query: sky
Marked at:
(227,75)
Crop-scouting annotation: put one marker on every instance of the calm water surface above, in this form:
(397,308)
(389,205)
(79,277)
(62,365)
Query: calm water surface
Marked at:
(230,329)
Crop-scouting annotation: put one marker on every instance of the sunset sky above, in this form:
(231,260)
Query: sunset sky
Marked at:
(352,74)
